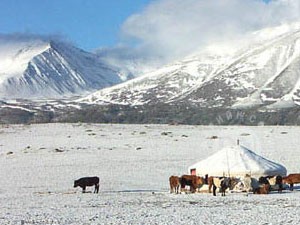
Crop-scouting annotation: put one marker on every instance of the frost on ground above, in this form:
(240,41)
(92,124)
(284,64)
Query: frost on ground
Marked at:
(40,162)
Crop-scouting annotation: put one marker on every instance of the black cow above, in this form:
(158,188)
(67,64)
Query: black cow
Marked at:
(227,182)
(264,180)
(223,183)
(279,183)
(87,181)
(272,180)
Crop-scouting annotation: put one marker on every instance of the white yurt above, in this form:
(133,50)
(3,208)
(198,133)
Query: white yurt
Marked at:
(237,161)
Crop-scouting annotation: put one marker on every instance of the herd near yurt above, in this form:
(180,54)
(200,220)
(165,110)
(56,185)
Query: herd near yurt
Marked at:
(234,169)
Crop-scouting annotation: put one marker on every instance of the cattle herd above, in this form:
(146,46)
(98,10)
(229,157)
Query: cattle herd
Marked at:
(263,185)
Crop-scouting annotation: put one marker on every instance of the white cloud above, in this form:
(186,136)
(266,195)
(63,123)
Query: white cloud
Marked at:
(170,29)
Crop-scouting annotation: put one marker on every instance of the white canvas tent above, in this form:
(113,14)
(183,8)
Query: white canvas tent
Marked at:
(237,161)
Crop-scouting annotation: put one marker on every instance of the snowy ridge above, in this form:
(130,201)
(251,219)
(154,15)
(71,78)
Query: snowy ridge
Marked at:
(15,57)
(50,69)
(165,83)
(257,71)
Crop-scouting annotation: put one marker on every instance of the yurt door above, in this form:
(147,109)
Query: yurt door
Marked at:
(193,171)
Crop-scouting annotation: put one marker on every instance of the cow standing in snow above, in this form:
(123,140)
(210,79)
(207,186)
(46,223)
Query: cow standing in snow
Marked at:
(174,184)
(223,183)
(264,189)
(291,179)
(191,180)
(87,181)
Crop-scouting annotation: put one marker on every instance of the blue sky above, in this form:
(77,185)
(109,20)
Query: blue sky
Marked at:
(162,28)
(87,23)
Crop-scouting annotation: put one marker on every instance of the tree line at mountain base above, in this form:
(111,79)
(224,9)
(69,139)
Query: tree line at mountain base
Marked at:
(153,114)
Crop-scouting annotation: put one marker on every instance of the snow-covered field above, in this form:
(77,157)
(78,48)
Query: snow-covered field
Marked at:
(39,163)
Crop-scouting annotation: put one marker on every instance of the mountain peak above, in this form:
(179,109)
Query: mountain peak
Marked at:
(38,68)
(258,71)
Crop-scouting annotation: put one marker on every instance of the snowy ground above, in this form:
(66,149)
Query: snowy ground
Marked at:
(38,164)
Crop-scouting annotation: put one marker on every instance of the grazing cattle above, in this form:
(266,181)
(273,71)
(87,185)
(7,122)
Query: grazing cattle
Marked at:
(206,179)
(210,183)
(174,184)
(264,180)
(87,181)
(274,182)
(279,182)
(223,183)
(193,181)
(291,179)
(262,190)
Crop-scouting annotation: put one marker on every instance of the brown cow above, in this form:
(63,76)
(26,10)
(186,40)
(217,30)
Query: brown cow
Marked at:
(193,181)
(264,189)
(174,184)
(210,182)
(291,179)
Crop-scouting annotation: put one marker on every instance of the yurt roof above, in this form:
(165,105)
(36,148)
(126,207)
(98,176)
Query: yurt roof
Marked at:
(237,161)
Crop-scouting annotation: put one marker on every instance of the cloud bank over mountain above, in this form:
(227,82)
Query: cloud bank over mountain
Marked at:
(171,29)
(168,30)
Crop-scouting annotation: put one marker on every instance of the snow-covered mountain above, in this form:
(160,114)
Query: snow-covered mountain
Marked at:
(37,68)
(260,70)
